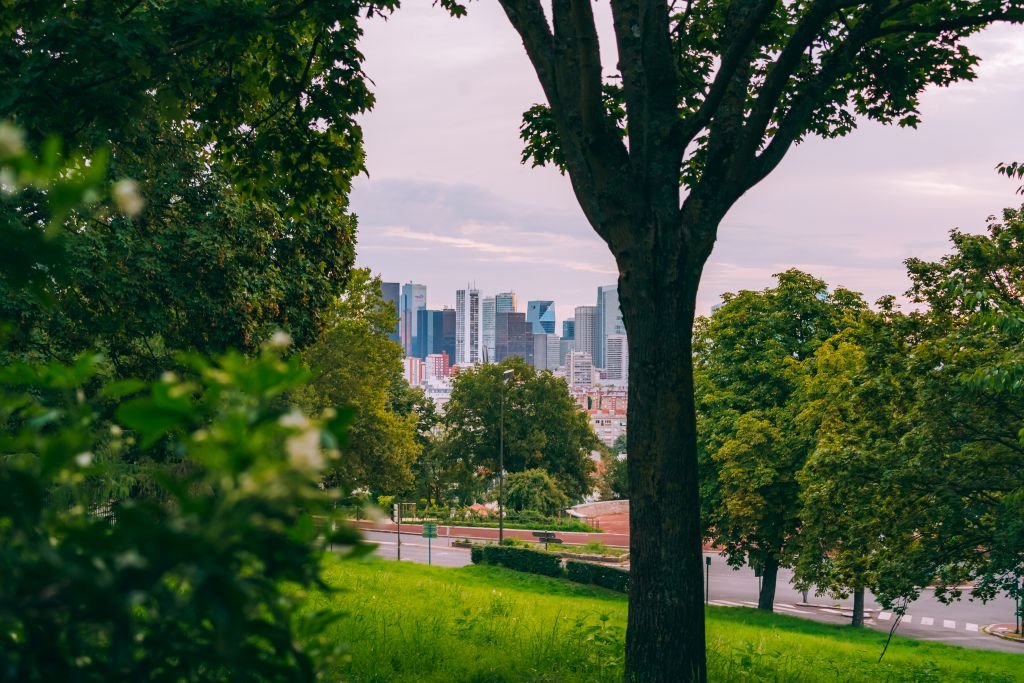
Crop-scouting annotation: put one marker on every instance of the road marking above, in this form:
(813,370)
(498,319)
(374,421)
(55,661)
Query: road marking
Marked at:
(971,627)
(784,604)
(828,610)
(747,602)
(927,621)
(907,619)
(726,603)
(884,616)
(948,623)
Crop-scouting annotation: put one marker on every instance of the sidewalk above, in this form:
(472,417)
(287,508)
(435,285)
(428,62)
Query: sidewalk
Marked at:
(614,540)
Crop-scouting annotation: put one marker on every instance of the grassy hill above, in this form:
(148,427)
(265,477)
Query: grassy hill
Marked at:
(481,624)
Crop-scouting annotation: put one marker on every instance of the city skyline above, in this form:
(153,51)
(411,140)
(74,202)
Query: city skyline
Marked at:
(447,199)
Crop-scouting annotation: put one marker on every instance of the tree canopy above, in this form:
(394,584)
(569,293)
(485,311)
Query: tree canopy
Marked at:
(544,428)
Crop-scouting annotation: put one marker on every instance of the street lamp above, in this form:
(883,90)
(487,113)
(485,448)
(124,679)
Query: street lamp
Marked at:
(505,377)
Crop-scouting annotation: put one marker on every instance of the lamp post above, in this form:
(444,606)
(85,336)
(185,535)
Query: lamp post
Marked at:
(505,376)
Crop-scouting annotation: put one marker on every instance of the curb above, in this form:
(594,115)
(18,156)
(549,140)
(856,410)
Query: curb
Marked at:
(1005,633)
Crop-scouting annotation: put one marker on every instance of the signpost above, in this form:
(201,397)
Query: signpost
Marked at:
(707,581)
(546,537)
(429,532)
(398,520)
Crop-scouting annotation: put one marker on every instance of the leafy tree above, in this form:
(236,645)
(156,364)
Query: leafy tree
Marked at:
(237,120)
(748,366)
(617,476)
(968,436)
(534,489)
(710,96)
(619,445)
(544,428)
(356,365)
(1013,169)
(857,512)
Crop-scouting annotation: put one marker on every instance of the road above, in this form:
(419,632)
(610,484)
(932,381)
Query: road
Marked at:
(926,618)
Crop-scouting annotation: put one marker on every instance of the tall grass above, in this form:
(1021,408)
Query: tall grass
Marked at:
(484,624)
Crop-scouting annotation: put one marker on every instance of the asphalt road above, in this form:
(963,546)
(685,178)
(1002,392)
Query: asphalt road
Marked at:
(926,618)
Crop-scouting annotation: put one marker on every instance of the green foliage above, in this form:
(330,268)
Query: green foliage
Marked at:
(534,489)
(476,554)
(544,429)
(1013,170)
(748,368)
(189,583)
(273,87)
(355,364)
(611,578)
(522,559)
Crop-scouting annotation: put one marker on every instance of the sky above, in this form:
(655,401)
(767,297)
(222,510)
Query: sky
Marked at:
(447,202)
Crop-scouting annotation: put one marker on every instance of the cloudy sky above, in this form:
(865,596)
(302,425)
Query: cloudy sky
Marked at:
(447,201)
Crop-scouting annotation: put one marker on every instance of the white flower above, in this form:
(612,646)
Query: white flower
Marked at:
(116,430)
(304,450)
(295,419)
(12,140)
(168,377)
(84,459)
(279,340)
(127,197)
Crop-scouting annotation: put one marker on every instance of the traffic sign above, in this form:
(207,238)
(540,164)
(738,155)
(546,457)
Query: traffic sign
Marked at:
(429,530)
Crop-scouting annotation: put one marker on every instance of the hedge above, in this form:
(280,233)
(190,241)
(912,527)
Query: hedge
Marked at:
(520,559)
(599,575)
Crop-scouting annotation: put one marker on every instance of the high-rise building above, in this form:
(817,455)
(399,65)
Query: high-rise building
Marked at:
(468,316)
(390,291)
(414,298)
(513,336)
(546,349)
(609,321)
(414,370)
(585,329)
(506,302)
(569,329)
(564,349)
(448,334)
(579,369)
(541,314)
(616,357)
(429,333)
(487,327)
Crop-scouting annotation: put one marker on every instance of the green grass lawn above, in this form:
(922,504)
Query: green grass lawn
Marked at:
(484,624)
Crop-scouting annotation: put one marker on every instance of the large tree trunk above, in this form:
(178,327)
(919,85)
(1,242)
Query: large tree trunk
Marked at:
(769,578)
(665,636)
(858,606)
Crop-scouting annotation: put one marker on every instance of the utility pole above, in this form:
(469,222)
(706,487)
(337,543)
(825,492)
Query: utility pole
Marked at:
(505,376)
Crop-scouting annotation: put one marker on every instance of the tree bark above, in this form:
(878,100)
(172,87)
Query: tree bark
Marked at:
(858,606)
(665,634)
(769,578)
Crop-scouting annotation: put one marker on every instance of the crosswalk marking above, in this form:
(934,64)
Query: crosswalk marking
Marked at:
(884,616)
(748,602)
(972,627)
(726,603)
(948,623)
(927,621)
(907,619)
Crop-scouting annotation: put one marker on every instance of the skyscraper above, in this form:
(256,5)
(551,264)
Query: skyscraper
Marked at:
(414,298)
(390,292)
(569,329)
(429,333)
(513,336)
(546,354)
(616,352)
(487,313)
(506,302)
(448,334)
(609,321)
(468,316)
(541,314)
(585,329)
